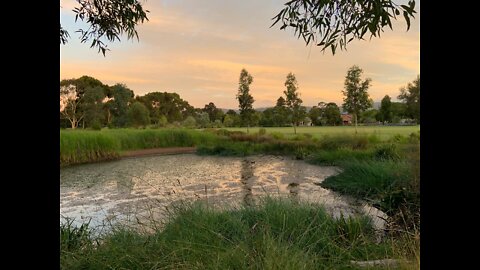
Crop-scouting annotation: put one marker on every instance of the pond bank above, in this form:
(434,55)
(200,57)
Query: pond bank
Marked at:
(158,151)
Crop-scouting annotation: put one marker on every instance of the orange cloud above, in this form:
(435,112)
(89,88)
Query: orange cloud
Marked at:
(197,49)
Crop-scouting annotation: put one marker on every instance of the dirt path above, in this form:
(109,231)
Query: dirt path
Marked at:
(159,151)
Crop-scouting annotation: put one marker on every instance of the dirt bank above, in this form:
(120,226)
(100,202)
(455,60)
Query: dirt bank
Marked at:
(158,151)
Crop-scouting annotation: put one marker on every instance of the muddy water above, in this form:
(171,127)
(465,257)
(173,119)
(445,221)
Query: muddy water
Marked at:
(141,189)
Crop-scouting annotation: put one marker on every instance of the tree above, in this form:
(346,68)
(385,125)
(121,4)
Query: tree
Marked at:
(162,121)
(107,19)
(231,112)
(82,83)
(281,102)
(356,98)
(385,113)
(293,100)
(331,114)
(70,105)
(138,115)
(369,116)
(229,120)
(333,23)
(245,100)
(117,106)
(92,105)
(411,97)
(168,104)
(72,93)
(399,111)
(203,120)
(189,122)
(315,115)
(280,118)
(214,113)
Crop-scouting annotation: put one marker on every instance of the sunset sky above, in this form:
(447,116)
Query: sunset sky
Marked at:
(197,49)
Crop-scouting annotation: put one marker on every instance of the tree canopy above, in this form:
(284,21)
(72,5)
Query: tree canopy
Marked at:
(356,98)
(385,113)
(410,95)
(245,100)
(333,23)
(107,20)
(293,100)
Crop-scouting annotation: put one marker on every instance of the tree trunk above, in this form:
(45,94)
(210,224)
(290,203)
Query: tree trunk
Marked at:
(248,125)
(109,116)
(355,124)
(294,129)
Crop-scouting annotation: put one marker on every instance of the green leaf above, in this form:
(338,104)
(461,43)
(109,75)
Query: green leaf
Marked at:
(278,18)
(407,19)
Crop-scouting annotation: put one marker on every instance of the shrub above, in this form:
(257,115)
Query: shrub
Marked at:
(277,135)
(96,125)
(398,138)
(360,142)
(138,115)
(387,151)
(414,137)
(262,131)
(162,121)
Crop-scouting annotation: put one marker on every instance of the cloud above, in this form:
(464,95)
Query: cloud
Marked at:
(197,49)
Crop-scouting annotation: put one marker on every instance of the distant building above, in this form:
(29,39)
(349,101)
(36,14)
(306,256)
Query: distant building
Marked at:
(306,122)
(346,119)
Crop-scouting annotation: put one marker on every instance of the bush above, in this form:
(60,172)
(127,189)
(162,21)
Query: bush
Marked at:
(277,135)
(397,138)
(414,137)
(262,131)
(189,122)
(217,123)
(162,121)
(344,141)
(360,142)
(96,125)
(138,115)
(387,151)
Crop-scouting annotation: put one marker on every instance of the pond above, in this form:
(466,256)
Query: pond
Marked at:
(142,189)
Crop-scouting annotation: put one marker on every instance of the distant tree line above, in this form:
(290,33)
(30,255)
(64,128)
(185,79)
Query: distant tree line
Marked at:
(86,102)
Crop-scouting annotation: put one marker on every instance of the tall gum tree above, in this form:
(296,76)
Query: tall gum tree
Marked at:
(245,100)
(356,98)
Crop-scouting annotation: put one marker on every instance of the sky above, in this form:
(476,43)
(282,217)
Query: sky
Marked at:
(198,48)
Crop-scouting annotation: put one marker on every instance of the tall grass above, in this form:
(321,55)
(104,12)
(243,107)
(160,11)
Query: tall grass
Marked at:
(277,234)
(87,146)
(368,179)
(384,133)
(80,146)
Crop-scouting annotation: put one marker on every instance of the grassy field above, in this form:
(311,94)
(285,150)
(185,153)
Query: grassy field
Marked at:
(383,132)
(279,234)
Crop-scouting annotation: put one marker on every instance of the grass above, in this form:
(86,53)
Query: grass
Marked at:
(81,146)
(278,234)
(368,179)
(382,132)
(381,168)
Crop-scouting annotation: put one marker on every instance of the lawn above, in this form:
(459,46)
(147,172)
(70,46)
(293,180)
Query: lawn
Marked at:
(383,132)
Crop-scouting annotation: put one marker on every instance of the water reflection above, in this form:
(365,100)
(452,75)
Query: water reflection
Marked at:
(247,180)
(145,187)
